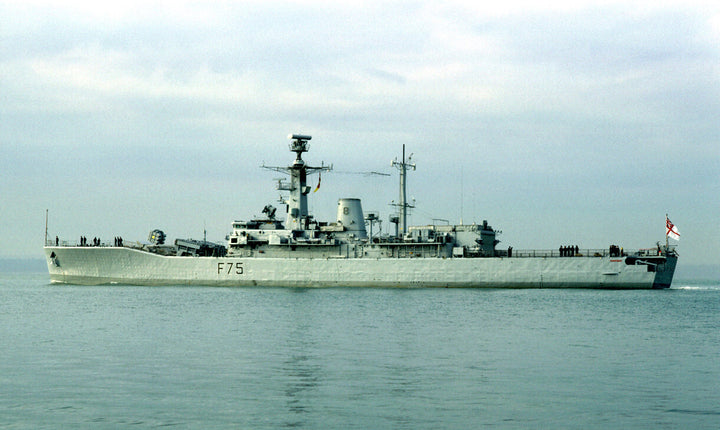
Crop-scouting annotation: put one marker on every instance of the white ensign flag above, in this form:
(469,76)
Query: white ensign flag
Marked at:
(672,231)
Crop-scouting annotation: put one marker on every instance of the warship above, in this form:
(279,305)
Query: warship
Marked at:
(301,251)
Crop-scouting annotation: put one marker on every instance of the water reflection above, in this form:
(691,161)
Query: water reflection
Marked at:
(301,369)
(302,379)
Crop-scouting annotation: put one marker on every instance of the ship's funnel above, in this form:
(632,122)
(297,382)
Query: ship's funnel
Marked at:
(350,215)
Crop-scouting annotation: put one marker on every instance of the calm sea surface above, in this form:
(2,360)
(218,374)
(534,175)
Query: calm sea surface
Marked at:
(143,357)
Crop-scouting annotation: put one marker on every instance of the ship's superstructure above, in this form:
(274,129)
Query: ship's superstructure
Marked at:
(304,252)
(301,236)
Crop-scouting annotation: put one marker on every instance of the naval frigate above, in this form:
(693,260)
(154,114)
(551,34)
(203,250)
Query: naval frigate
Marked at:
(301,251)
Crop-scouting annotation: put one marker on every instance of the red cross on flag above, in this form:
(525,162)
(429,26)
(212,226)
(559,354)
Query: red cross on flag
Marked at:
(672,231)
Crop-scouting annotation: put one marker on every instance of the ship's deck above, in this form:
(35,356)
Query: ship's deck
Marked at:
(516,253)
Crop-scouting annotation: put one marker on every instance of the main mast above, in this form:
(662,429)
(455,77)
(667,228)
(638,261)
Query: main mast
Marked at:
(404,205)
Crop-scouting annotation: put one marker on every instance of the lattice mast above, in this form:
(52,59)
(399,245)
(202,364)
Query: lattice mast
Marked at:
(403,204)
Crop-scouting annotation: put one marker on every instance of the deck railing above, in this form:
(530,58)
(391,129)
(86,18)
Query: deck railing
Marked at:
(589,252)
(75,243)
(516,253)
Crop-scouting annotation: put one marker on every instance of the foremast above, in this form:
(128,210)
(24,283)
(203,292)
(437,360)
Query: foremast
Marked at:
(298,217)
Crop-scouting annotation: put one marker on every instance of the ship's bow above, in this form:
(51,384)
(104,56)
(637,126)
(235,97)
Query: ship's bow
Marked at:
(53,264)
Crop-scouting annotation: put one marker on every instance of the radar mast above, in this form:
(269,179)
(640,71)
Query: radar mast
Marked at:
(297,207)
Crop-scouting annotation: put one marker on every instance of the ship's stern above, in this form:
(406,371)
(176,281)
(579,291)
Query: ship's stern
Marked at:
(664,272)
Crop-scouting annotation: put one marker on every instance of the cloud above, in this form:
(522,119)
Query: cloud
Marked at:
(601,104)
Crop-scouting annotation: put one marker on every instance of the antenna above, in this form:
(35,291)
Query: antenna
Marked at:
(369,173)
(299,144)
(461,194)
(404,205)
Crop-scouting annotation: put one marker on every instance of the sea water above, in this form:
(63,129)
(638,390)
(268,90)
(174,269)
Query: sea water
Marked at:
(268,358)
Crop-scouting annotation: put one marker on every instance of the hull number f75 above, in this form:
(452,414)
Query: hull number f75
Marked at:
(230,268)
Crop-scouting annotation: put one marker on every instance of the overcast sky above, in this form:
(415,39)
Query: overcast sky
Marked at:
(569,123)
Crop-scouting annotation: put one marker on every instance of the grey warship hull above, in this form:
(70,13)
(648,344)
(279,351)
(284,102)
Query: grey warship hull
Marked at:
(114,265)
(304,252)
